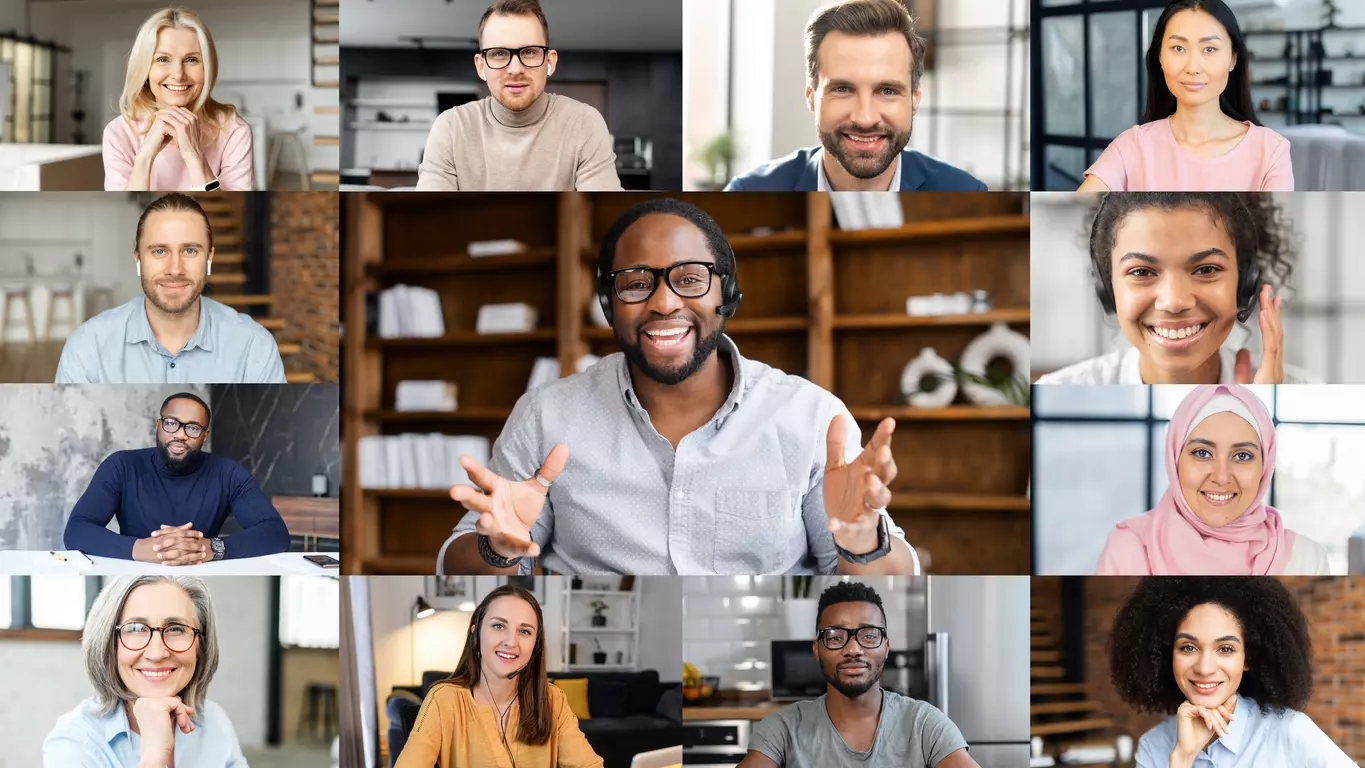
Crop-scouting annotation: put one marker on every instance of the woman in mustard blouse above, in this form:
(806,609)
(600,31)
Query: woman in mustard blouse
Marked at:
(498,710)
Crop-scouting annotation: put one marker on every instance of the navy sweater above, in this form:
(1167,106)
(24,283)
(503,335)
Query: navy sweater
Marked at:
(138,488)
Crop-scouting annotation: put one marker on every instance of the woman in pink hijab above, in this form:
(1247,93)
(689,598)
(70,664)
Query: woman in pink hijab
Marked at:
(1213,519)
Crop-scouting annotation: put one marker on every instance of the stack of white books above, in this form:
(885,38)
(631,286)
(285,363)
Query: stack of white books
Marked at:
(867,210)
(508,247)
(413,395)
(506,318)
(418,461)
(406,310)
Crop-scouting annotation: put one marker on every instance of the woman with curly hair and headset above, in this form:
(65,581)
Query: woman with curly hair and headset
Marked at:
(1229,659)
(1178,271)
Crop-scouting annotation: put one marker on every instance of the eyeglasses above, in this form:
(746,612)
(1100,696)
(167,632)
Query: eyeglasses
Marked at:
(177,638)
(171,426)
(835,638)
(499,58)
(688,279)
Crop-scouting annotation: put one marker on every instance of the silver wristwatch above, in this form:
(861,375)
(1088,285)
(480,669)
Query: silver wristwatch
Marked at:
(217,545)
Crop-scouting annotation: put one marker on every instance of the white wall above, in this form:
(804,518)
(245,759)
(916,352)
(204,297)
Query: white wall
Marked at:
(661,636)
(52,228)
(14,15)
(52,673)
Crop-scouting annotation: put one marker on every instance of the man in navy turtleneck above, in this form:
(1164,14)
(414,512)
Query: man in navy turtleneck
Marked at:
(171,500)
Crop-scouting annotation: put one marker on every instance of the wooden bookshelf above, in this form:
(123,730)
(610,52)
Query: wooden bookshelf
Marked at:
(819,302)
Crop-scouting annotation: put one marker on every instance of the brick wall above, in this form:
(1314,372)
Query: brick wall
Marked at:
(305,278)
(1335,607)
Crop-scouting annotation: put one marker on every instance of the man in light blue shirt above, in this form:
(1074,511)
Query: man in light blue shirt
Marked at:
(172,334)
(677,455)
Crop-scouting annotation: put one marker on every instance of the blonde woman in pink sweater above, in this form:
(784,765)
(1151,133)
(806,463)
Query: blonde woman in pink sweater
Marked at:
(172,135)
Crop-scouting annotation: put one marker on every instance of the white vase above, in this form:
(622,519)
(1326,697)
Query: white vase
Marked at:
(801,614)
(925,363)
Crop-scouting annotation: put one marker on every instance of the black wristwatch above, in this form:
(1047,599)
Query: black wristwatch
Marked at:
(882,550)
(217,545)
(493,558)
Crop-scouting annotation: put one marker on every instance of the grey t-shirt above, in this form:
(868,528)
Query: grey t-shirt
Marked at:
(910,733)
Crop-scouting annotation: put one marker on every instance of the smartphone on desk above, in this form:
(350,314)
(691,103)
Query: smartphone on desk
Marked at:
(323,561)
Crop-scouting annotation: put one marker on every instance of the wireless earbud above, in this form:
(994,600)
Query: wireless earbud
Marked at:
(139,268)
(210,268)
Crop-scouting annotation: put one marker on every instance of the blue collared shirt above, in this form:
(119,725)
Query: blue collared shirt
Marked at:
(84,738)
(742,494)
(118,347)
(1255,740)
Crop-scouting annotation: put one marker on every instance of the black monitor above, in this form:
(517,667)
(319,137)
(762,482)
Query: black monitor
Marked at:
(445,100)
(796,671)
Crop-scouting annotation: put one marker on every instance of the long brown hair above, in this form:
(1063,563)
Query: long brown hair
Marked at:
(533,725)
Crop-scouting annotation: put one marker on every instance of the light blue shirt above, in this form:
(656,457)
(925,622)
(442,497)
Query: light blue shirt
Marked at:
(83,739)
(1255,740)
(118,347)
(742,494)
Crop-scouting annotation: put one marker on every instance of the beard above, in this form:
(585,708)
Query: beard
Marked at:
(149,289)
(171,462)
(863,164)
(853,690)
(635,353)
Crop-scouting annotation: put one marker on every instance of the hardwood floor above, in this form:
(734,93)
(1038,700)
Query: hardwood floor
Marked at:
(29,363)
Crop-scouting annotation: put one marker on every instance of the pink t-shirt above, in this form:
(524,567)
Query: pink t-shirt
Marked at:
(1147,158)
(229,157)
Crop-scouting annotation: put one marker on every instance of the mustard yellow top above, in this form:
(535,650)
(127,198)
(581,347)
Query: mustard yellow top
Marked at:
(453,731)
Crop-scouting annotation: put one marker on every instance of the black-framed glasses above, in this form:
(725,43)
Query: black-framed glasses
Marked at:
(835,638)
(177,638)
(530,55)
(688,279)
(172,425)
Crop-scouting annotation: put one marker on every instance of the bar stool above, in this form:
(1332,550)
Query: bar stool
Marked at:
(65,293)
(14,293)
(277,143)
(98,299)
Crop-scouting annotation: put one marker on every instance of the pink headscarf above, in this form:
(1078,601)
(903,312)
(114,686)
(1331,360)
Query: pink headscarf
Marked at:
(1172,540)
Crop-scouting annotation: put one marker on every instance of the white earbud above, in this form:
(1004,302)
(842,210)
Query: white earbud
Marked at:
(210,268)
(139,269)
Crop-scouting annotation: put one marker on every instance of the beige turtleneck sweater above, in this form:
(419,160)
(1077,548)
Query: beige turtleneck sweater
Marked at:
(555,144)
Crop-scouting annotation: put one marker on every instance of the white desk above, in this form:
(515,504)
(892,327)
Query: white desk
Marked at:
(20,562)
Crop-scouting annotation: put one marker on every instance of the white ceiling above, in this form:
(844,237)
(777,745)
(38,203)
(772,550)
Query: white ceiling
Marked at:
(604,25)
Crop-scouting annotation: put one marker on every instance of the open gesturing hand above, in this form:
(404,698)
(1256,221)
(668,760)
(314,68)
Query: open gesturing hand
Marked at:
(853,491)
(1272,345)
(508,509)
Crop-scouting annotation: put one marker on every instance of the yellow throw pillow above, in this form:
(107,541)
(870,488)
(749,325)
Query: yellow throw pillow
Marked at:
(576,691)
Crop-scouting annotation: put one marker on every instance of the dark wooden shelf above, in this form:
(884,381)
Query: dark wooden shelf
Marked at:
(791,238)
(401,565)
(935,229)
(907,501)
(462,416)
(465,339)
(533,257)
(892,320)
(740,326)
(950,413)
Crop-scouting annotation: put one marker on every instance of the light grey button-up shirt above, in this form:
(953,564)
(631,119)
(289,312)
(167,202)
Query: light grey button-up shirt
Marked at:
(118,347)
(743,494)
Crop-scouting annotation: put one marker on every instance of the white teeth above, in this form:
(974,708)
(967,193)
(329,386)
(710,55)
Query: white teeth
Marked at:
(1177,333)
(502,655)
(1219,496)
(668,332)
(155,674)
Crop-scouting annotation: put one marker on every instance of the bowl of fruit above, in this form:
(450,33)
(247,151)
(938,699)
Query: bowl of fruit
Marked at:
(698,689)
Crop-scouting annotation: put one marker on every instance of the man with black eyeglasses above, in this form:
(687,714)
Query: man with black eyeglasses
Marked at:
(856,722)
(678,455)
(520,138)
(171,500)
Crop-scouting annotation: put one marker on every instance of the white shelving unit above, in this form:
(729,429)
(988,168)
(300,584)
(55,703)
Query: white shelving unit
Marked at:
(620,636)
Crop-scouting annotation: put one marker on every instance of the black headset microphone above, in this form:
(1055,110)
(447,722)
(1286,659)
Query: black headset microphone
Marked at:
(729,291)
(1248,283)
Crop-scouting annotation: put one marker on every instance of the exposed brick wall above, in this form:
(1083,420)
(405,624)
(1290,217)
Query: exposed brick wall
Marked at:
(305,275)
(1335,607)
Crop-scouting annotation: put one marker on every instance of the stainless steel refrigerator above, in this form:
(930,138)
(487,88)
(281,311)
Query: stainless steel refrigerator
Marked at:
(976,662)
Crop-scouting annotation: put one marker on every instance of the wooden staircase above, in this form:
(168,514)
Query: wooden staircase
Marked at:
(1063,713)
(227,217)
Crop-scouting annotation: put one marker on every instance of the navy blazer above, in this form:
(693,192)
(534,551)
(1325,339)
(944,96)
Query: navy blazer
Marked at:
(797,172)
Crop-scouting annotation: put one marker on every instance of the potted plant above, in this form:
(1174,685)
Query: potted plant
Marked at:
(798,607)
(599,656)
(598,619)
(718,156)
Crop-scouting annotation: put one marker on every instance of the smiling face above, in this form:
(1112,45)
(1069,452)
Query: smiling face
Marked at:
(174,254)
(1174,274)
(516,86)
(1196,57)
(178,449)
(507,636)
(156,671)
(853,670)
(668,337)
(1220,468)
(1209,656)
(177,75)
(863,104)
